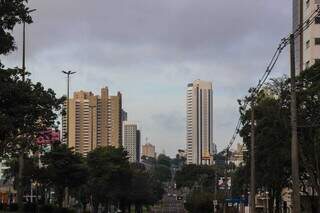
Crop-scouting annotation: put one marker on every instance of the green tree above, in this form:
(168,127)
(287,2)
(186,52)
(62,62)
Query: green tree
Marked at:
(162,168)
(11,13)
(64,169)
(26,109)
(309,132)
(200,202)
(192,176)
(272,138)
(110,176)
(144,190)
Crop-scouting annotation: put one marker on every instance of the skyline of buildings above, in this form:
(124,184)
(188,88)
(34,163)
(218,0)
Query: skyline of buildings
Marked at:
(307,45)
(199,138)
(95,120)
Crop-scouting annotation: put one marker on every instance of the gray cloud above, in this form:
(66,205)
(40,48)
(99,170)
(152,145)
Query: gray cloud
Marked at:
(150,50)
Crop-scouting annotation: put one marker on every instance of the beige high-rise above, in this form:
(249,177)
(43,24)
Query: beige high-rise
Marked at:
(94,121)
(149,150)
(199,123)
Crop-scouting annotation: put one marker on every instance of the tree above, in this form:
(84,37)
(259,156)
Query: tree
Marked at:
(309,132)
(64,169)
(162,169)
(26,109)
(272,138)
(192,176)
(110,176)
(200,202)
(144,190)
(11,13)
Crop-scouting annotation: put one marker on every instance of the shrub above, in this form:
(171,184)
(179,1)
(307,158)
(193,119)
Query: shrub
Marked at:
(30,207)
(13,207)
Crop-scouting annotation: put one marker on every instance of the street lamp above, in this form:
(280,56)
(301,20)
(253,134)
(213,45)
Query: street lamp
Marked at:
(68,73)
(24,46)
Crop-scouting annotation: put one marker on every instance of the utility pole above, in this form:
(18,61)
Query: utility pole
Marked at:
(294,134)
(21,154)
(68,73)
(226,181)
(24,46)
(23,51)
(252,162)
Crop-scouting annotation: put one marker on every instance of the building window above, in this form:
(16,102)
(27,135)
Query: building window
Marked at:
(307,44)
(317,20)
(317,41)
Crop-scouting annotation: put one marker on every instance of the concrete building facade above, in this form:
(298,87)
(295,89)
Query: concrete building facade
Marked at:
(199,123)
(149,150)
(307,45)
(93,121)
(131,141)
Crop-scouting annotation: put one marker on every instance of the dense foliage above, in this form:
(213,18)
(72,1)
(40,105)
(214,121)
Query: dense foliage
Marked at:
(273,137)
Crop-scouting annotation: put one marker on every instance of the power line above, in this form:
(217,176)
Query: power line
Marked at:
(283,43)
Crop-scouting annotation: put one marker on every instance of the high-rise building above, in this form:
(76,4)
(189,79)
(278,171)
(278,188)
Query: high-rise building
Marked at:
(199,123)
(131,141)
(307,45)
(93,121)
(149,150)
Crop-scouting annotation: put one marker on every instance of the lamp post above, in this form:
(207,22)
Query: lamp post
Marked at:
(68,73)
(24,46)
(267,196)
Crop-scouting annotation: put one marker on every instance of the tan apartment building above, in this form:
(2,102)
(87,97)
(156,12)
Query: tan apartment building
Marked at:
(149,150)
(93,121)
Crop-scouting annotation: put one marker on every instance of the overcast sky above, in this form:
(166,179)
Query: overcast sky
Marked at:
(150,49)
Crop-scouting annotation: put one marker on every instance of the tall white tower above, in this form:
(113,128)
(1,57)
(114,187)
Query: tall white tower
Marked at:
(199,123)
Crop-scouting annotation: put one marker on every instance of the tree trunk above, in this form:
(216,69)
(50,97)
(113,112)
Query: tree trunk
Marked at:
(20,183)
(138,208)
(129,207)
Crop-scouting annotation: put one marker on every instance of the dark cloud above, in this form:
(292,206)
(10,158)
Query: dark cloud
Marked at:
(150,50)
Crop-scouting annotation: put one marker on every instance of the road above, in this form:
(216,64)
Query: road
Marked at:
(169,204)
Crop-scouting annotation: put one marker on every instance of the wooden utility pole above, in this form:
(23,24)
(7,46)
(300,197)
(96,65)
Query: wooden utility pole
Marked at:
(252,162)
(294,134)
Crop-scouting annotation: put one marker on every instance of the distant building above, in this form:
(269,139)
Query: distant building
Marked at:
(237,156)
(307,44)
(132,141)
(199,123)
(149,150)
(94,121)
(124,115)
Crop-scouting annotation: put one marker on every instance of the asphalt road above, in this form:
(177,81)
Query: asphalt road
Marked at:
(169,203)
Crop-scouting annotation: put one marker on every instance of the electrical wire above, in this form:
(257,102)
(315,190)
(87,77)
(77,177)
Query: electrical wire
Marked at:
(284,43)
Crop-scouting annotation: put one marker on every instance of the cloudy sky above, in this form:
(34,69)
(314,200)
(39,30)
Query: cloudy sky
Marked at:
(150,49)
